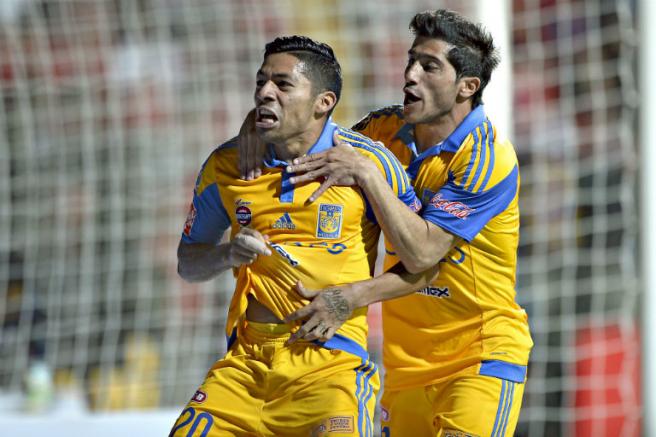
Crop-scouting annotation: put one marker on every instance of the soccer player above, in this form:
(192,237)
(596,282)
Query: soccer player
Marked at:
(455,353)
(263,385)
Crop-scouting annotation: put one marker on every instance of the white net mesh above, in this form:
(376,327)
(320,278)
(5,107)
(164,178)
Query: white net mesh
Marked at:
(108,108)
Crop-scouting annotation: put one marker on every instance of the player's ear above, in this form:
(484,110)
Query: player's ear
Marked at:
(325,101)
(468,87)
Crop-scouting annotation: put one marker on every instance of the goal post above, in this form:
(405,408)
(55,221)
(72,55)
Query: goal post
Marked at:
(648,208)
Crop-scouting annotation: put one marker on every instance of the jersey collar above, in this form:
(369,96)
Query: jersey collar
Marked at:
(451,144)
(324,142)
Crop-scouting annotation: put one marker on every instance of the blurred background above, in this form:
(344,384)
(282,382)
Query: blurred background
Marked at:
(109,107)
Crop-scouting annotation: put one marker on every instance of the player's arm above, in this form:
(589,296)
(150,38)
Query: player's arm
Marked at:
(200,255)
(201,262)
(331,307)
(418,243)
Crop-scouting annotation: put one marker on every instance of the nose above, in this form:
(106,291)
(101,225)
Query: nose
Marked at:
(265,93)
(411,73)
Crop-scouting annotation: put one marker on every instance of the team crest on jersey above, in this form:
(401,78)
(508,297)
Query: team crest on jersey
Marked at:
(329,221)
(243,212)
(456,209)
(384,414)
(456,433)
(199,397)
(191,218)
(284,222)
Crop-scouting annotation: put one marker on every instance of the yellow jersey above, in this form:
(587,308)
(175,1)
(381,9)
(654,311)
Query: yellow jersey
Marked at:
(467,320)
(331,241)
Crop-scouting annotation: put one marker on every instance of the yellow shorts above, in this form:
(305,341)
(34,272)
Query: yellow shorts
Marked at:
(463,406)
(264,388)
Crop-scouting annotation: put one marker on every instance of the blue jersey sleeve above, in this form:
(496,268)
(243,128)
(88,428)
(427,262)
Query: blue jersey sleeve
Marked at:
(464,212)
(207,219)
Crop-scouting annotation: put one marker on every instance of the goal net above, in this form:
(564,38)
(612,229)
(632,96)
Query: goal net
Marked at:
(108,108)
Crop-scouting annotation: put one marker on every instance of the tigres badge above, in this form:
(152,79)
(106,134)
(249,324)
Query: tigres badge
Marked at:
(329,221)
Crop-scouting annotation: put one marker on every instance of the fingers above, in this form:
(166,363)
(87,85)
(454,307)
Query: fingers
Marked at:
(307,163)
(300,313)
(322,189)
(308,331)
(245,243)
(307,294)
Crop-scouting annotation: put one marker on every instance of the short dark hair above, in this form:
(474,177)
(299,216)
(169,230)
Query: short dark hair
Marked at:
(321,66)
(473,53)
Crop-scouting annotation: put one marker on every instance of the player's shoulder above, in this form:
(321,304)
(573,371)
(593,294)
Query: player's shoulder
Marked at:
(222,160)
(363,143)
(388,114)
(487,143)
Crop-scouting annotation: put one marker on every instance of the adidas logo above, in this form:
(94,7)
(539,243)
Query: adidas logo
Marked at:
(284,222)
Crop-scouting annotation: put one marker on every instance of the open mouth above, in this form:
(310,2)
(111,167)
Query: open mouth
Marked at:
(410,97)
(265,118)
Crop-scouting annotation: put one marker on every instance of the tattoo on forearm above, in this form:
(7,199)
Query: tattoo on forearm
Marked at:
(336,303)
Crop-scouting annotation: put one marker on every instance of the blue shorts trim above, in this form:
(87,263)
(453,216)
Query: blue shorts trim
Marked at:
(504,370)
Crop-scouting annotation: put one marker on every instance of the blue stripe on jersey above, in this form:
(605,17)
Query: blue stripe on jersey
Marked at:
(490,167)
(364,372)
(481,161)
(380,153)
(286,187)
(497,419)
(472,160)
(230,340)
(511,394)
(503,370)
(364,391)
(369,394)
(482,206)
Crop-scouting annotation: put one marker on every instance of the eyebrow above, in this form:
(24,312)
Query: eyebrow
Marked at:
(275,75)
(424,56)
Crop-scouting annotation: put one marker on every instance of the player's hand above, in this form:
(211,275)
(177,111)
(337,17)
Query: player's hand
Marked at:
(326,313)
(246,246)
(339,165)
(251,149)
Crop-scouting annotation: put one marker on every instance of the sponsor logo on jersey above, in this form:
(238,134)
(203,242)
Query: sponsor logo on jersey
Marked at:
(284,222)
(442,292)
(278,248)
(191,218)
(456,433)
(199,397)
(244,215)
(456,209)
(329,221)
(242,212)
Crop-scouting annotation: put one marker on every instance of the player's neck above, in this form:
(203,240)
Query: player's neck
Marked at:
(436,131)
(299,144)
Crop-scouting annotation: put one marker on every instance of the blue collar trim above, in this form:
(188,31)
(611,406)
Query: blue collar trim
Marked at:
(324,142)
